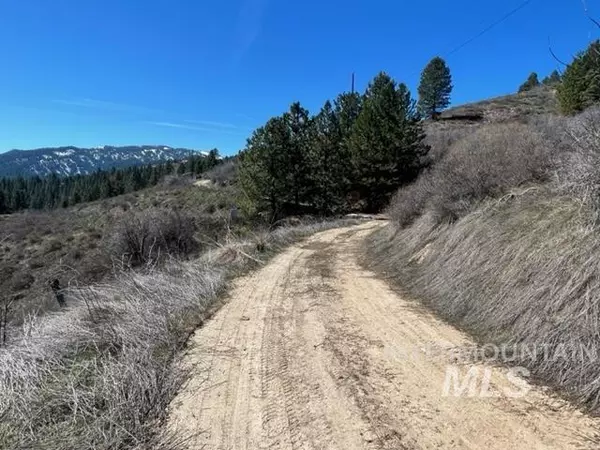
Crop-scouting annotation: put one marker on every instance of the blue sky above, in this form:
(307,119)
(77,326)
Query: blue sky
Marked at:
(203,74)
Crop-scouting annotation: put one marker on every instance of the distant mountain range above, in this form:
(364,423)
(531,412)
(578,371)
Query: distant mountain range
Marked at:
(66,161)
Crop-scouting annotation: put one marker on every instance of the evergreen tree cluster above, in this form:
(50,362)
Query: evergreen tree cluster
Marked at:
(580,86)
(553,79)
(531,82)
(52,192)
(356,151)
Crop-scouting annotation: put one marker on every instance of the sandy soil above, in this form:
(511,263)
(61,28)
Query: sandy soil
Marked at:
(315,352)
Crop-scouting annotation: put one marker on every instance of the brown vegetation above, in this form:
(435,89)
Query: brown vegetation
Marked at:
(485,163)
(82,244)
(150,236)
(508,108)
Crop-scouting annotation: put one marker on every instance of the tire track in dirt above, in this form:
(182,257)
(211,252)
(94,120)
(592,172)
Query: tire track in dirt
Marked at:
(310,353)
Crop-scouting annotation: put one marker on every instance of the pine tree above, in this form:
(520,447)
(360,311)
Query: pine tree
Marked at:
(154,177)
(19,198)
(75,198)
(580,85)
(119,183)
(329,162)
(435,88)
(3,205)
(191,163)
(105,188)
(263,167)
(386,142)
(552,79)
(212,159)
(531,82)
(275,166)
(347,108)
(201,164)
(299,126)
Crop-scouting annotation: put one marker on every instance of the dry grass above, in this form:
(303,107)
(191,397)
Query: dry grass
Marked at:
(508,108)
(518,265)
(80,245)
(487,162)
(96,375)
(100,374)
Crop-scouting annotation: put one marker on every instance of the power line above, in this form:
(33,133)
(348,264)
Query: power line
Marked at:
(487,29)
(490,27)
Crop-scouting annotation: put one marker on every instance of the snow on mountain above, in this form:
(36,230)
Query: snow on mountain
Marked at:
(65,161)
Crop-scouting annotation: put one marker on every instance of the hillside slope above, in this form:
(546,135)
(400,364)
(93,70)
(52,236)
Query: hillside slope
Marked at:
(519,106)
(501,238)
(77,244)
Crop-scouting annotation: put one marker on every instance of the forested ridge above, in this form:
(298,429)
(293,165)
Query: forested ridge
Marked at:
(19,193)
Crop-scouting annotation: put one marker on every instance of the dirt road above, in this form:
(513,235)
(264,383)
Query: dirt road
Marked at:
(314,352)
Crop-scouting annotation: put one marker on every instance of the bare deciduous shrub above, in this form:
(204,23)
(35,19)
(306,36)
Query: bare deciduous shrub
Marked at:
(222,174)
(579,173)
(486,163)
(22,280)
(144,237)
(174,181)
(440,137)
(409,202)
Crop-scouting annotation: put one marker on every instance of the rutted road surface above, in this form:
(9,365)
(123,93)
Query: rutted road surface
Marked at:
(315,352)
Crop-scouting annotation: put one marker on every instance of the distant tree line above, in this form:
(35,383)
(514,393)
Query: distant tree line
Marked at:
(20,193)
(353,154)
(533,81)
